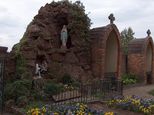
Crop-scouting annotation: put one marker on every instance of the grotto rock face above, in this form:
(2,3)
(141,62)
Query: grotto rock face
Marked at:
(41,41)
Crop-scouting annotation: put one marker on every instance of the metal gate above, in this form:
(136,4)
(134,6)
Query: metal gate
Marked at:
(1,84)
(102,90)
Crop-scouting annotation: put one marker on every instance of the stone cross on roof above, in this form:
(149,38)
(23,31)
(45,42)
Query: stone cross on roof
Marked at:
(148,32)
(111,18)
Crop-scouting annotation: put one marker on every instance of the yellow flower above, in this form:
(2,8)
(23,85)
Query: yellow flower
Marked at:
(36,111)
(32,110)
(109,113)
(55,113)
(44,109)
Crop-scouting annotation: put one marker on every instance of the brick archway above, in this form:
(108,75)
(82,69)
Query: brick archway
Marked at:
(141,59)
(111,55)
(101,47)
(149,61)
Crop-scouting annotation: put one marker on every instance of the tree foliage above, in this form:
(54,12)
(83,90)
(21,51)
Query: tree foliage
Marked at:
(126,36)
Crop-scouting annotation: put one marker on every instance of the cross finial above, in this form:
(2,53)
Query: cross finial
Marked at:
(111,18)
(148,32)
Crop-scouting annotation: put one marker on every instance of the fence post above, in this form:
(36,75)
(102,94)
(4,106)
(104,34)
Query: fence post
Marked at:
(1,84)
(81,92)
(121,88)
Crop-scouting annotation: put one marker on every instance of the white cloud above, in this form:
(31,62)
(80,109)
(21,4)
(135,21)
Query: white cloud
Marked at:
(15,15)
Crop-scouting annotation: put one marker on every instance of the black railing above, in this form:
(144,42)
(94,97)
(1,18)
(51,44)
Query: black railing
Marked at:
(97,91)
(1,85)
(149,77)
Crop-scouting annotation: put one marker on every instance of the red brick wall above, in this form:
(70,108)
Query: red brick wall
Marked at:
(136,65)
(98,63)
(123,63)
(137,61)
(99,37)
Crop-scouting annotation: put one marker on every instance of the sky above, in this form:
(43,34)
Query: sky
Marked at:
(15,15)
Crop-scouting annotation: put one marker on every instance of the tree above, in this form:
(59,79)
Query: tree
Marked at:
(126,36)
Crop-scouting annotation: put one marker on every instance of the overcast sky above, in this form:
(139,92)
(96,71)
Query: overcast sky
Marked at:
(15,15)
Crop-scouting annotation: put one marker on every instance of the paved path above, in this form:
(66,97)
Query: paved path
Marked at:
(141,91)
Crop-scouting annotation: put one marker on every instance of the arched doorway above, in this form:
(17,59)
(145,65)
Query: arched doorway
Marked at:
(111,56)
(149,64)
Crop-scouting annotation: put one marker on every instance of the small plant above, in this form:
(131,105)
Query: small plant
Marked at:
(52,88)
(22,101)
(151,92)
(129,79)
(68,87)
(36,95)
(67,79)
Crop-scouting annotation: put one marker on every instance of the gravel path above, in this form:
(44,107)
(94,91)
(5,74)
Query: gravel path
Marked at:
(141,91)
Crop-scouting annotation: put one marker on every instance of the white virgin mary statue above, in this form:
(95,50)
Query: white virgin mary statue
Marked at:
(64,36)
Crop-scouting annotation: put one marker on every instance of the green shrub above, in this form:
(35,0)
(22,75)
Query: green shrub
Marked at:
(67,79)
(52,88)
(129,79)
(76,84)
(22,101)
(21,69)
(36,95)
(17,89)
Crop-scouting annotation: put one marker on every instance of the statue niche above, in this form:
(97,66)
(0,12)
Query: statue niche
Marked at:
(65,38)
(41,66)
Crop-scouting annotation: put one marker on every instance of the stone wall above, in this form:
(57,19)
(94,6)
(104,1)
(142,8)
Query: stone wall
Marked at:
(41,41)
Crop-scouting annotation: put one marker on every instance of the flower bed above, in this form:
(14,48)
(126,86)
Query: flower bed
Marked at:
(133,103)
(76,109)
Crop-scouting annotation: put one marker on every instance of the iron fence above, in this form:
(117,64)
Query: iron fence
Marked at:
(97,91)
(1,84)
